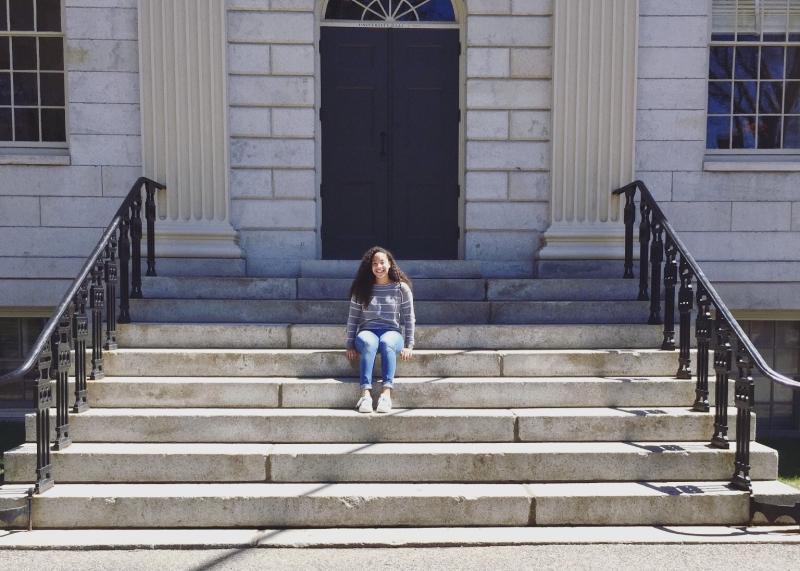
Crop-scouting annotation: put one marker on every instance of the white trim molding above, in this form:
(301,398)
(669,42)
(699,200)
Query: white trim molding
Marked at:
(593,141)
(184,102)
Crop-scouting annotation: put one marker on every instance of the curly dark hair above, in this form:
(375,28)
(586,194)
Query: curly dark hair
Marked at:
(361,290)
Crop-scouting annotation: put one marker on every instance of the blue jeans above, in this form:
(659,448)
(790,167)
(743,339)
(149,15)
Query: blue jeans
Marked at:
(368,343)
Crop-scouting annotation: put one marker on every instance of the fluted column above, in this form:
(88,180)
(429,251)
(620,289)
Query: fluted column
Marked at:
(182,47)
(593,116)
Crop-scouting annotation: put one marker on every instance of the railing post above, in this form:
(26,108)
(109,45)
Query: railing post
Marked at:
(744,407)
(644,240)
(685,303)
(44,398)
(80,332)
(124,265)
(670,278)
(136,245)
(629,216)
(96,301)
(59,371)
(656,257)
(150,216)
(703,335)
(722,367)
(110,274)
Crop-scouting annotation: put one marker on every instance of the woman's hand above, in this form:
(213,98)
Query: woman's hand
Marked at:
(406,354)
(352,354)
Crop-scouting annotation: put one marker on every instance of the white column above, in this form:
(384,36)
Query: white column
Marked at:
(184,103)
(594,110)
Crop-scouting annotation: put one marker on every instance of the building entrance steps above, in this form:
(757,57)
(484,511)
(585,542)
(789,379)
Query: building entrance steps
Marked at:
(529,402)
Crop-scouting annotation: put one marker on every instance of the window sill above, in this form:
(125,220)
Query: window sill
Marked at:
(15,159)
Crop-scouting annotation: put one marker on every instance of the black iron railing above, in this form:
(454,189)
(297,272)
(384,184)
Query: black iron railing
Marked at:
(90,299)
(715,327)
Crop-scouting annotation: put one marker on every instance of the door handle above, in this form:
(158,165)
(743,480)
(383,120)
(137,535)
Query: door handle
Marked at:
(383,143)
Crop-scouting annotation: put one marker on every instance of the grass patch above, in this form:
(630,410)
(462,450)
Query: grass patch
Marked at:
(788,459)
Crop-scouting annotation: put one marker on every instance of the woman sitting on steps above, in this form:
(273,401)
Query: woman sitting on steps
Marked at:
(380,300)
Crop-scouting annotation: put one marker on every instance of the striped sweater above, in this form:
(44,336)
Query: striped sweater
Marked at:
(390,305)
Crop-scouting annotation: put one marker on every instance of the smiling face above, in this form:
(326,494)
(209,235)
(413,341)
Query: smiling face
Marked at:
(380,267)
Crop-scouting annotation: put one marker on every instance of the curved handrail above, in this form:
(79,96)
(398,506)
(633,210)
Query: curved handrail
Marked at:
(758,359)
(30,362)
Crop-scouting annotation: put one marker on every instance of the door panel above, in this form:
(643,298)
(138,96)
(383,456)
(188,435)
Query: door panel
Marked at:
(424,171)
(390,141)
(354,114)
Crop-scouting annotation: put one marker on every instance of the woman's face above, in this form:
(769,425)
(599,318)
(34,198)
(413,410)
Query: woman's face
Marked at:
(380,266)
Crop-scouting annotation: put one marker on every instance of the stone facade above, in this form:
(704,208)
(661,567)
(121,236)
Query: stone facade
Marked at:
(53,207)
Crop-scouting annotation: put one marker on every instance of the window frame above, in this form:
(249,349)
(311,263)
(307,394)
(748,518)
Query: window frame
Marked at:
(26,150)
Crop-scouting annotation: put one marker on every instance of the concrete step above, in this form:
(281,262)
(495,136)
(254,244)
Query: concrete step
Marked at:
(433,269)
(370,505)
(335,312)
(410,392)
(425,363)
(285,425)
(465,289)
(319,336)
(399,462)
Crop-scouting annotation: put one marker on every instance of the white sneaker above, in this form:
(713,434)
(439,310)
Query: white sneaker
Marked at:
(364,404)
(384,404)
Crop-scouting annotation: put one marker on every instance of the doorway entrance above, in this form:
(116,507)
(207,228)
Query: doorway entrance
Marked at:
(390,138)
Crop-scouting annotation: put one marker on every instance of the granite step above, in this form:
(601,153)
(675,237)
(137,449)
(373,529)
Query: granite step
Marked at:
(410,392)
(425,363)
(322,336)
(389,462)
(295,425)
(263,505)
(427,312)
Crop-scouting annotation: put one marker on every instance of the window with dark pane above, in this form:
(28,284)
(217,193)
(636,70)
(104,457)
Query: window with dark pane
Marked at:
(391,10)
(754,75)
(32,89)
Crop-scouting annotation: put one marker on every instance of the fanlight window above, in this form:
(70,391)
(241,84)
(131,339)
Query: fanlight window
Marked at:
(391,10)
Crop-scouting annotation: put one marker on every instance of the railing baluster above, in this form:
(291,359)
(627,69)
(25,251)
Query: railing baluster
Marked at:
(136,245)
(722,367)
(150,216)
(59,371)
(80,332)
(670,278)
(744,407)
(124,265)
(96,301)
(44,399)
(656,257)
(685,303)
(644,240)
(703,335)
(110,274)
(629,217)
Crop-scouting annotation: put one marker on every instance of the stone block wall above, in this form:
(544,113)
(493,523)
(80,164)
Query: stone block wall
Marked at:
(508,93)
(271,92)
(743,226)
(53,208)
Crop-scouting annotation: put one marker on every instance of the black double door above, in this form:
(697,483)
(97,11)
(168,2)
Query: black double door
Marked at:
(390,141)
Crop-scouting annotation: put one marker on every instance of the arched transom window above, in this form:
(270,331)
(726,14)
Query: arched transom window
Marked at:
(391,10)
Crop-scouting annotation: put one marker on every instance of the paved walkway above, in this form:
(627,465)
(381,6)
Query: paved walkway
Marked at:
(561,557)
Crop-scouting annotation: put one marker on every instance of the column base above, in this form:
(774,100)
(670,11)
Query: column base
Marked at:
(195,240)
(584,242)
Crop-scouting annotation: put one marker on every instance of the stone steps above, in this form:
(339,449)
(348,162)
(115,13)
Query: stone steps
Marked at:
(411,392)
(313,425)
(321,336)
(427,312)
(340,505)
(426,363)
(463,289)
(387,462)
